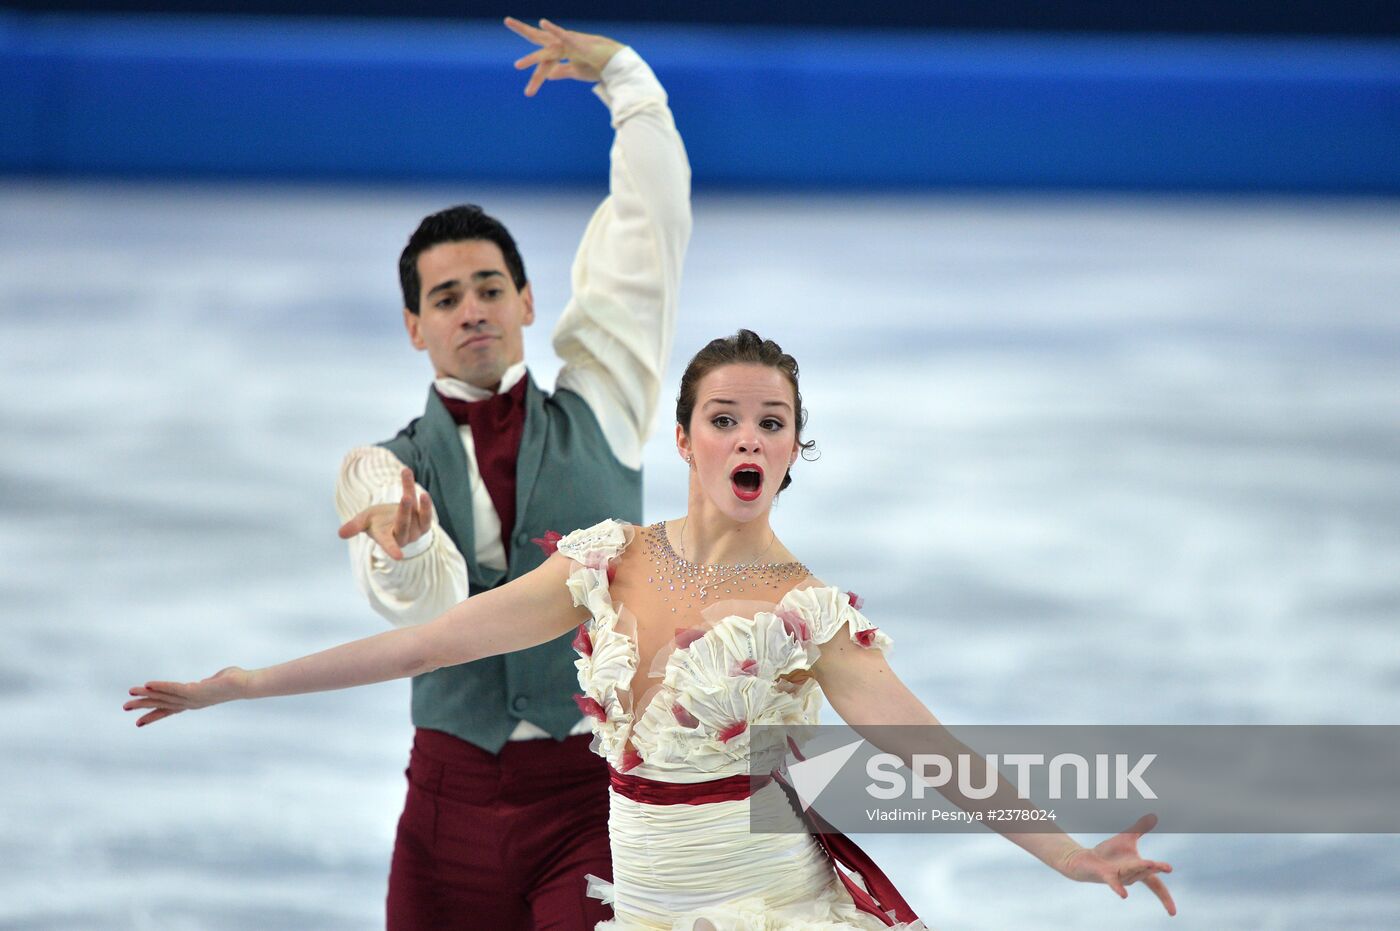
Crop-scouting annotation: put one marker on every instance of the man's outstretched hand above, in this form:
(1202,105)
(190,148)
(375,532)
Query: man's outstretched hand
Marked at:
(394,526)
(562,53)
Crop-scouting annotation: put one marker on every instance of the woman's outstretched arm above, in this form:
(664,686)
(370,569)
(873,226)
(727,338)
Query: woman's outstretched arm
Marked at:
(531,610)
(864,690)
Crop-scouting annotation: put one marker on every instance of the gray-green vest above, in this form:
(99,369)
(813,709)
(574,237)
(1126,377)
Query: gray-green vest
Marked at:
(566,477)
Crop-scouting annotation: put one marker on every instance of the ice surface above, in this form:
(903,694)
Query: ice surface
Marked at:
(1125,460)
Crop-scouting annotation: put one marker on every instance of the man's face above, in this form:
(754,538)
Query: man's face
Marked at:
(470,315)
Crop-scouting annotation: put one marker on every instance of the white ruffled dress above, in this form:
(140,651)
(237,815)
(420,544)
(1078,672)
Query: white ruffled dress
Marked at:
(701,867)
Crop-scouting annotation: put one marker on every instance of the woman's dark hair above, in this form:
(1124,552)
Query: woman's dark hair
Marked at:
(743,348)
(462,223)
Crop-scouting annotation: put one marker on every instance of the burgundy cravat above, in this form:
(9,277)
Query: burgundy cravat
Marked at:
(497,425)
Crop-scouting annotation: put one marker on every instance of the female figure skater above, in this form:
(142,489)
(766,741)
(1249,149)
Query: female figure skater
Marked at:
(689,632)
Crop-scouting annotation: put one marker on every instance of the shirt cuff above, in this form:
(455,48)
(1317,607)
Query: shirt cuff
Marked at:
(628,82)
(421,545)
(392,494)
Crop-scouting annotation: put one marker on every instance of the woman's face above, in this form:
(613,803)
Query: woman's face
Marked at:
(743,437)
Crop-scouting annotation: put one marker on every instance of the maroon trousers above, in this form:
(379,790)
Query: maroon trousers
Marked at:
(500,841)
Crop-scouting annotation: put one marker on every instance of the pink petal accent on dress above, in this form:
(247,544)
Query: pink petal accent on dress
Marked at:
(590,707)
(866,637)
(549,543)
(732,731)
(748,667)
(582,642)
(795,624)
(856,601)
(684,718)
(602,563)
(631,759)
(685,636)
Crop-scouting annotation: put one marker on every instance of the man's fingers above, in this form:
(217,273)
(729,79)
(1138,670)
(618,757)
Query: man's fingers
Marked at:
(388,544)
(559,69)
(565,70)
(542,71)
(355,525)
(537,56)
(540,75)
(557,43)
(554,29)
(403,516)
(425,511)
(525,30)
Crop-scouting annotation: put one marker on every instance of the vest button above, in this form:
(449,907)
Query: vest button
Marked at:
(520,702)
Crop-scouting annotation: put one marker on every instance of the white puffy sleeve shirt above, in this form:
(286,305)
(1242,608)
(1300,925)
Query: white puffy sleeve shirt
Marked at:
(614,338)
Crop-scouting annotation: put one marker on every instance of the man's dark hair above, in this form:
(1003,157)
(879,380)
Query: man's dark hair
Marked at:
(455,224)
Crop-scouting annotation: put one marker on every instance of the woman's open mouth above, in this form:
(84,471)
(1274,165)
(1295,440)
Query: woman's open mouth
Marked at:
(747,481)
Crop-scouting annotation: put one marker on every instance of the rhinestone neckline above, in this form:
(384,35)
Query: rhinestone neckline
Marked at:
(712,568)
(674,576)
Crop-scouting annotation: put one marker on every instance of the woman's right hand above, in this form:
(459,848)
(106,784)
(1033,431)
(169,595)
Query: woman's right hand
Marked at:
(167,698)
(531,610)
(1117,863)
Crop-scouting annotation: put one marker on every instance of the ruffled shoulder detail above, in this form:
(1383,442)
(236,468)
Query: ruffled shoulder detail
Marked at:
(606,660)
(601,542)
(819,612)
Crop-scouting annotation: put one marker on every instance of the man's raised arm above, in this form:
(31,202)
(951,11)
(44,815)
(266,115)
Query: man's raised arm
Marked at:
(615,334)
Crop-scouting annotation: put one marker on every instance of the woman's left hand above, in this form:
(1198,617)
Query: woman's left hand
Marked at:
(1116,863)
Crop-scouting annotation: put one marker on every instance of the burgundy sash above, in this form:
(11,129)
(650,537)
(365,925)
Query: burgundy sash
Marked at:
(882,900)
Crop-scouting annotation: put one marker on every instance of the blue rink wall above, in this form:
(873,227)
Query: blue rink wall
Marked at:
(399,100)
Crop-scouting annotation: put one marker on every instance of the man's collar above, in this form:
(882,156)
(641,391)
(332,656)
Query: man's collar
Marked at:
(452,388)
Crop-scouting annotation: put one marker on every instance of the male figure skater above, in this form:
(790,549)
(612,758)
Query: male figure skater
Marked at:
(507,808)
